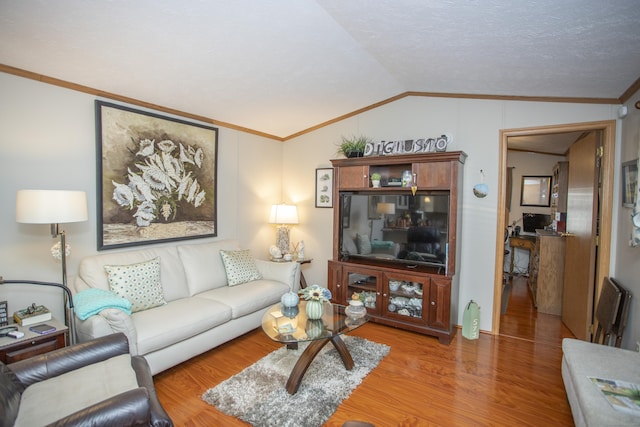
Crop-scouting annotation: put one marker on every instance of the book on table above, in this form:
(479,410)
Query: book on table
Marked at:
(31,315)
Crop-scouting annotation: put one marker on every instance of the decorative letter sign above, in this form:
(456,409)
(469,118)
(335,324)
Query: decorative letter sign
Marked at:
(407,146)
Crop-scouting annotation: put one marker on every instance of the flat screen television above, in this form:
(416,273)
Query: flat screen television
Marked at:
(395,228)
(534,221)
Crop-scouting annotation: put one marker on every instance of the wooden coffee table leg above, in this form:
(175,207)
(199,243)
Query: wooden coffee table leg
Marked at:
(310,353)
(343,351)
(303,363)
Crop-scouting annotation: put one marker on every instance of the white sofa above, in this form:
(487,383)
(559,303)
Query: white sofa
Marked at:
(201,312)
(581,360)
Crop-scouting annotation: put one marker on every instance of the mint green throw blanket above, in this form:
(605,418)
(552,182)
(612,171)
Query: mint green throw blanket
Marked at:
(93,301)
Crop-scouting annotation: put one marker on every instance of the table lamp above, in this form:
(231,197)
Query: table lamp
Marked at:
(283,215)
(385,209)
(54,207)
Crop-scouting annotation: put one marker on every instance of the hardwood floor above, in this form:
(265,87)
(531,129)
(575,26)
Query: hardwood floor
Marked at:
(493,381)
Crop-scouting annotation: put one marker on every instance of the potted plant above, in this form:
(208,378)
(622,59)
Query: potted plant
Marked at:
(375,179)
(354,146)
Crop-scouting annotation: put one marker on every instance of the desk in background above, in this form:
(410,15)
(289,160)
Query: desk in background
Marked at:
(523,242)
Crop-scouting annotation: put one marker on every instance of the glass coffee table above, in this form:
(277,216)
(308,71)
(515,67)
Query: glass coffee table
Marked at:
(290,326)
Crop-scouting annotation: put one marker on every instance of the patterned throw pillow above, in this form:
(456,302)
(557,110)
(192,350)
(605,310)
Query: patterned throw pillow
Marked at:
(139,283)
(240,267)
(363,243)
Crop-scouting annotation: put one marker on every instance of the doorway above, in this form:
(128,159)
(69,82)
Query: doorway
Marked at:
(607,129)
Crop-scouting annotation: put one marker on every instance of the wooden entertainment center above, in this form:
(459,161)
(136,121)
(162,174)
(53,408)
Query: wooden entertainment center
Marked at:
(413,285)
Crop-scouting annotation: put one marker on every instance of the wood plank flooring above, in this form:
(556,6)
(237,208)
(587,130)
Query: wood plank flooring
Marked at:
(510,380)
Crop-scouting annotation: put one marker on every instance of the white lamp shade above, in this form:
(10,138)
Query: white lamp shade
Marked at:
(283,214)
(51,206)
(386,208)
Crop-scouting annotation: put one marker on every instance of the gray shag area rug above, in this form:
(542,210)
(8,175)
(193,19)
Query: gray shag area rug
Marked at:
(257,395)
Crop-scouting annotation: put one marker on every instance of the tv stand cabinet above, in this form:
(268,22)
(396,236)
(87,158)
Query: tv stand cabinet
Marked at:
(415,297)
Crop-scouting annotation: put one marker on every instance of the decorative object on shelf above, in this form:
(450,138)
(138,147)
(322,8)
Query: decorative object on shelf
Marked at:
(481,190)
(408,146)
(283,215)
(275,252)
(375,179)
(4,317)
(354,146)
(54,207)
(356,309)
(324,188)
(156,177)
(315,297)
(290,299)
(314,309)
(300,249)
(32,314)
(414,185)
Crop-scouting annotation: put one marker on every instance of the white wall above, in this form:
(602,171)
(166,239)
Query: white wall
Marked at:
(475,126)
(48,142)
(627,259)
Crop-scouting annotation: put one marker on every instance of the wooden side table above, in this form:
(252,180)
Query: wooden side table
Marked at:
(32,344)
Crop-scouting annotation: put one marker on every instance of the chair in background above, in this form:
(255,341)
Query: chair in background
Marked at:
(93,383)
(623,313)
(607,312)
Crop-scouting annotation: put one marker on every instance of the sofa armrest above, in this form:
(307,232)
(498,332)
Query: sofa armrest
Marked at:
(108,321)
(159,417)
(58,362)
(285,272)
(130,408)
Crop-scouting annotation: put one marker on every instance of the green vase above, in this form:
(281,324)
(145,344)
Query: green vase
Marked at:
(314,309)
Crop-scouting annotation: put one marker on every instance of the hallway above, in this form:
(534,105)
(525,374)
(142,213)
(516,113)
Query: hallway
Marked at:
(523,321)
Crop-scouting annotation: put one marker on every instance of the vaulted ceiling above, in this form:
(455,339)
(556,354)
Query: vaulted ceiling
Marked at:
(283,66)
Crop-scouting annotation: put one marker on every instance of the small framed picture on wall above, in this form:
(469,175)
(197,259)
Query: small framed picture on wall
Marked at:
(324,188)
(629,183)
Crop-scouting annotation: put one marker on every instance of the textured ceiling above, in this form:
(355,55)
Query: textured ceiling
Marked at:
(283,66)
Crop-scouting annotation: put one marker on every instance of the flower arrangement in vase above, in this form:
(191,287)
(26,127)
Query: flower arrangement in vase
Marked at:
(315,296)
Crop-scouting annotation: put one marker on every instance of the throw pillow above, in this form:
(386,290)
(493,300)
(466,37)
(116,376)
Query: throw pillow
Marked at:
(139,283)
(240,267)
(349,245)
(364,244)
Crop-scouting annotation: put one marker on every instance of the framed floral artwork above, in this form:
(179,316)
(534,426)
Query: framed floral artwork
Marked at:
(156,177)
(324,188)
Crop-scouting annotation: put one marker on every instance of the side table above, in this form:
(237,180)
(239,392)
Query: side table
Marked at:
(32,344)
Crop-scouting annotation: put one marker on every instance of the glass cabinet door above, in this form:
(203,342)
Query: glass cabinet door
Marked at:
(404,297)
(365,283)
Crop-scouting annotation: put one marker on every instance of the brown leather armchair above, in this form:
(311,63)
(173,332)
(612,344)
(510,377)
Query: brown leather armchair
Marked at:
(48,389)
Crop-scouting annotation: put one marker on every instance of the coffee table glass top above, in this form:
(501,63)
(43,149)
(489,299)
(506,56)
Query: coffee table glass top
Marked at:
(290,325)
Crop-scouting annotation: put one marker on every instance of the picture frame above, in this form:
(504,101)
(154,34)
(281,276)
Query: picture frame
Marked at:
(156,177)
(324,188)
(629,183)
(535,190)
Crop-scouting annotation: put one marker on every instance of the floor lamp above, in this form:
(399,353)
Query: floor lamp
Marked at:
(54,207)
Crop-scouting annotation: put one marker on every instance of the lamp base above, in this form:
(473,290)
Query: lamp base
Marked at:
(282,239)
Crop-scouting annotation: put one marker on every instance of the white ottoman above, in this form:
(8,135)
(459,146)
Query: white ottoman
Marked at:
(583,359)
